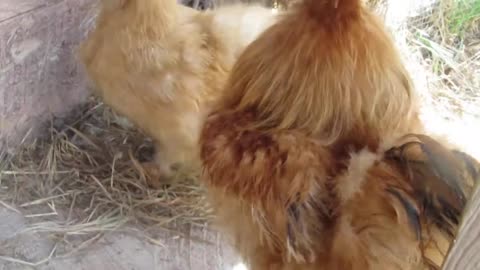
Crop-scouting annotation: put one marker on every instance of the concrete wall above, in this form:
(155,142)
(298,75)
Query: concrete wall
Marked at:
(39,76)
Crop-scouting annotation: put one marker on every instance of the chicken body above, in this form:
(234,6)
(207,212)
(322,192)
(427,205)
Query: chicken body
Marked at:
(290,202)
(162,65)
(314,159)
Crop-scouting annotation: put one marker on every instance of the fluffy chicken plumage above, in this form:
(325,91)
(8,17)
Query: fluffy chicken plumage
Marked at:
(162,65)
(291,202)
(306,160)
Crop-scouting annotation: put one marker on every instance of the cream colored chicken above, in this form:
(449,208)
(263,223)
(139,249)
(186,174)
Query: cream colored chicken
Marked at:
(163,65)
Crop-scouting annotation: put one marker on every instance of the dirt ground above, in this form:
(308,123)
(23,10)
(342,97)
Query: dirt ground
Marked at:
(115,251)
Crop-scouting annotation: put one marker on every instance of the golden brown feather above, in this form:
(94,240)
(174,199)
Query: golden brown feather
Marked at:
(331,72)
(290,203)
(301,157)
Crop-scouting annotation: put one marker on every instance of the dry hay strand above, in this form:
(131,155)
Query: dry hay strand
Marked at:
(212,4)
(449,58)
(85,180)
(378,6)
(450,48)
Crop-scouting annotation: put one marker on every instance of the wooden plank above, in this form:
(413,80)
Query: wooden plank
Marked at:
(465,252)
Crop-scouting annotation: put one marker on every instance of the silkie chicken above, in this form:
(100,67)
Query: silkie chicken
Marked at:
(161,65)
(315,157)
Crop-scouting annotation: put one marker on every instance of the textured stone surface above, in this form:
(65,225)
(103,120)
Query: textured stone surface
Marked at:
(39,76)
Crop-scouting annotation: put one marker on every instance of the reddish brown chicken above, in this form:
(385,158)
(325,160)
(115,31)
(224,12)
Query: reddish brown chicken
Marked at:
(290,202)
(315,158)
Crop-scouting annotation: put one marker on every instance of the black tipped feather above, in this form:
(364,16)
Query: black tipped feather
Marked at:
(442,179)
(411,211)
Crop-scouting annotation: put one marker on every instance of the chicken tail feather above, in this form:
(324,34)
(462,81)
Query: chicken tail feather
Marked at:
(442,179)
